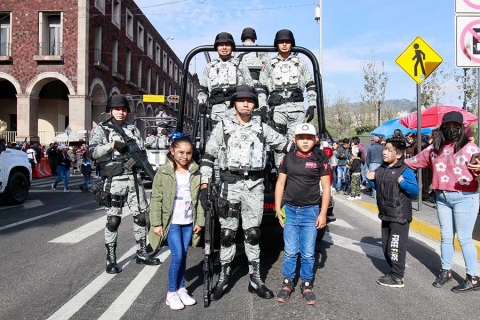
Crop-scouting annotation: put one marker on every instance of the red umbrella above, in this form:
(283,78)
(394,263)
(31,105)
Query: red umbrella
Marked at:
(432,117)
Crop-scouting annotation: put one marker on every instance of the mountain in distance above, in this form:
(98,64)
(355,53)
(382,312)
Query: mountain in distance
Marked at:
(396,104)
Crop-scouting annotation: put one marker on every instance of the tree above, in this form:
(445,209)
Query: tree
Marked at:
(433,88)
(467,84)
(375,85)
(339,118)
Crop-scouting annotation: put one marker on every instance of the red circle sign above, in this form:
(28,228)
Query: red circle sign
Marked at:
(469,29)
(471,4)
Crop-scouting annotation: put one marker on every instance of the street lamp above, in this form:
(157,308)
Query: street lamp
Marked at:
(465,88)
(319,20)
(169,38)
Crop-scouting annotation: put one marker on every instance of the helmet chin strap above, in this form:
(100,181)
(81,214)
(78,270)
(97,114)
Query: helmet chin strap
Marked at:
(243,114)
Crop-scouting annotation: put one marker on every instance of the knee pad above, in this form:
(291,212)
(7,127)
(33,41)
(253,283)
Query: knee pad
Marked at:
(140,219)
(113,222)
(227,237)
(252,236)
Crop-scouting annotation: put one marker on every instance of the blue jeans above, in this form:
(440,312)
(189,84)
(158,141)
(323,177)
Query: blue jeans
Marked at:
(299,235)
(372,167)
(86,182)
(457,212)
(178,238)
(340,171)
(62,172)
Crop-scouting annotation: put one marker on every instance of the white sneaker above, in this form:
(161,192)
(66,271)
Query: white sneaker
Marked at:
(358,198)
(173,300)
(66,190)
(351,198)
(53,186)
(185,297)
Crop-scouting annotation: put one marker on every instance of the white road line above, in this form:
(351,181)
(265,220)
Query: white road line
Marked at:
(26,205)
(8,226)
(84,231)
(81,298)
(354,245)
(118,308)
(342,223)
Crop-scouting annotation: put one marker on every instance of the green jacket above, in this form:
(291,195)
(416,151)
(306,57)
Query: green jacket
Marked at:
(163,196)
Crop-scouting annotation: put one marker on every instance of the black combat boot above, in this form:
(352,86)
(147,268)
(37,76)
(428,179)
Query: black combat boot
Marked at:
(256,284)
(444,276)
(222,283)
(143,257)
(470,283)
(112,266)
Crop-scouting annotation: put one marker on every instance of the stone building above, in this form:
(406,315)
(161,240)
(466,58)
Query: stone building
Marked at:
(60,60)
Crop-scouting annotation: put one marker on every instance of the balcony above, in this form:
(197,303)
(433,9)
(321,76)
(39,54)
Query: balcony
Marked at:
(5,52)
(100,59)
(131,79)
(117,71)
(49,51)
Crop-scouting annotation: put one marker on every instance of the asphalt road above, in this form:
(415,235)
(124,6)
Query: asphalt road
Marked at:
(52,267)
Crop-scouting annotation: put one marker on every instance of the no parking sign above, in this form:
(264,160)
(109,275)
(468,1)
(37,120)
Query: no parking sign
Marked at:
(467,6)
(467,41)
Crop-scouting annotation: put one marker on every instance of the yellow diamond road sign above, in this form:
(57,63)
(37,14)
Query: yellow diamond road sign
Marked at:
(419,60)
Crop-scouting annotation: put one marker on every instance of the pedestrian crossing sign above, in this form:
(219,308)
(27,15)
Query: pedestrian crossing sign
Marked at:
(419,60)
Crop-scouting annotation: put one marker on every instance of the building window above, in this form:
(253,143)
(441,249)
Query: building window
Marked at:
(149,80)
(164,87)
(129,25)
(50,36)
(170,68)
(149,46)
(116,12)
(128,65)
(165,61)
(175,73)
(140,66)
(115,65)
(140,36)
(100,5)
(157,83)
(5,34)
(158,57)
(98,56)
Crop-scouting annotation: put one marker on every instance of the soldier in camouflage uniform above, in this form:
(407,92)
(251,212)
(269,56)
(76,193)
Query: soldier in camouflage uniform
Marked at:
(239,143)
(108,148)
(253,60)
(151,141)
(284,79)
(220,77)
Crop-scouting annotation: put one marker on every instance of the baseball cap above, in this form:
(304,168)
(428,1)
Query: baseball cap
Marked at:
(305,128)
(61,147)
(452,116)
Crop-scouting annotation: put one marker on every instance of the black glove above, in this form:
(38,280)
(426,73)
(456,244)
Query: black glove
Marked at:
(309,113)
(202,108)
(204,199)
(121,147)
(263,114)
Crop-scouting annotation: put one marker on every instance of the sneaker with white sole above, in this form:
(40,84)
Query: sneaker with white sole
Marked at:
(53,186)
(174,301)
(351,198)
(185,297)
(66,190)
(358,198)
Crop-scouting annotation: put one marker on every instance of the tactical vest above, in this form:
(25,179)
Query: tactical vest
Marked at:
(253,62)
(111,135)
(243,149)
(223,73)
(286,73)
(394,204)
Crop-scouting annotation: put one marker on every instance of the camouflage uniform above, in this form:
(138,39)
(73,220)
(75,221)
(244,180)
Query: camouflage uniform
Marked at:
(243,160)
(151,142)
(255,62)
(220,79)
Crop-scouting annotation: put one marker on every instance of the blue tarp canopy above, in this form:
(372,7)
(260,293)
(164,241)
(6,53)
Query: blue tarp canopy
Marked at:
(387,128)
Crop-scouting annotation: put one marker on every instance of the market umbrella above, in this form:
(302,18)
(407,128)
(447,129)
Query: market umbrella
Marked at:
(432,117)
(65,137)
(387,128)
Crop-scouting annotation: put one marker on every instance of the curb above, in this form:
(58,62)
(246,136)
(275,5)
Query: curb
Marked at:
(424,228)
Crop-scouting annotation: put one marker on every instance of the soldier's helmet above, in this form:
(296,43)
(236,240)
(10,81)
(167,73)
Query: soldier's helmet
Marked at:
(244,91)
(249,33)
(284,34)
(161,107)
(224,37)
(117,101)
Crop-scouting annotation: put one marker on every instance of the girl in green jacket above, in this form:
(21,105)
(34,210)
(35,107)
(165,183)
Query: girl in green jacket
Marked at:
(175,215)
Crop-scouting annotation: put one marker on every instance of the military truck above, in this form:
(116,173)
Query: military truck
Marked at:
(15,176)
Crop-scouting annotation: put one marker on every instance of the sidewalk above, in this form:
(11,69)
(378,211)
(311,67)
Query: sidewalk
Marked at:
(424,221)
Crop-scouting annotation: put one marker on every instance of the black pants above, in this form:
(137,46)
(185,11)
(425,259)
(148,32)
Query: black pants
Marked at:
(394,244)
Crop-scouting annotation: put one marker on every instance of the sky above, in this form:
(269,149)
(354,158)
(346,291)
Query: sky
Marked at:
(352,32)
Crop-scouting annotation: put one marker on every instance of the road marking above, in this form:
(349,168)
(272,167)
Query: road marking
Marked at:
(342,223)
(26,205)
(118,308)
(8,226)
(354,245)
(85,231)
(81,298)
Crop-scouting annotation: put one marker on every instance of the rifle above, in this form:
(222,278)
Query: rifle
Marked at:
(209,246)
(138,157)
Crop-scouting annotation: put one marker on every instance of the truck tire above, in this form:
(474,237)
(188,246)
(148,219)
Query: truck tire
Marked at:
(16,191)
